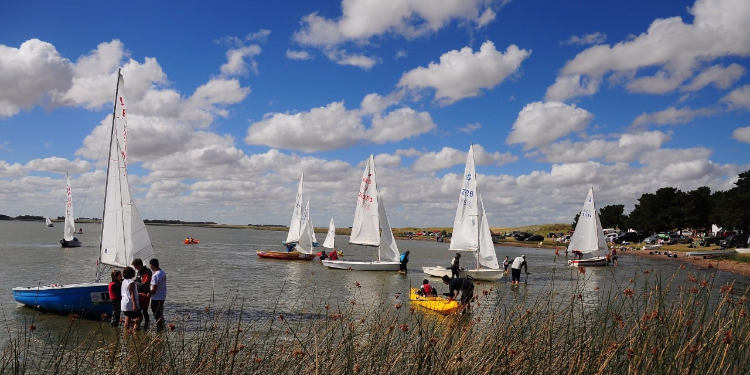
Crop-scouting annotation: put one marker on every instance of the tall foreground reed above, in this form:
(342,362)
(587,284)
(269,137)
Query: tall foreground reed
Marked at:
(649,325)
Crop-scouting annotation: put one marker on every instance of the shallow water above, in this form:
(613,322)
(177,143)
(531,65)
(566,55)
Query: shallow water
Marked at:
(224,269)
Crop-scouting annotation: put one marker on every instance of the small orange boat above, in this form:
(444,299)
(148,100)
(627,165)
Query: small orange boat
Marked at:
(191,241)
(284,255)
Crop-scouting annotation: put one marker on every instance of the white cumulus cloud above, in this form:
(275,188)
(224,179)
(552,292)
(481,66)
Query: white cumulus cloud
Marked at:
(742,134)
(464,73)
(738,98)
(671,116)
(30,73)
(541,123)
(675,48)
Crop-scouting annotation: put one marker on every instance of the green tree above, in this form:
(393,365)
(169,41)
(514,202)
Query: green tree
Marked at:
(698,208)
(612,216)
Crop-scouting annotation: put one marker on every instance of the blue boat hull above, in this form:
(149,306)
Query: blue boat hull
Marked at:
(88,300)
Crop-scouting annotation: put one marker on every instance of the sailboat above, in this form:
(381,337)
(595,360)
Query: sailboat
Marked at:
(370,228)
(471,231)
(70,225)
(328,243)
(48,222)
(588,237)
(297,232)
(123,235)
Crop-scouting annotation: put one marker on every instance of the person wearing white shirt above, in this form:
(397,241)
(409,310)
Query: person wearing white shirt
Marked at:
(158,293)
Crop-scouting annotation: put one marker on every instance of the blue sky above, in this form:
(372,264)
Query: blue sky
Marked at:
(229,102)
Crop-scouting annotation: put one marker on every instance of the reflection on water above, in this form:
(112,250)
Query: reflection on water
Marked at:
(223,271)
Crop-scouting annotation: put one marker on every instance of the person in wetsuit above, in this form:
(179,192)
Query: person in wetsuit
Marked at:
(455,266)
(460,284)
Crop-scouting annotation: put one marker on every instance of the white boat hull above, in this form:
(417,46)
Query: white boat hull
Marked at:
(709,254)
(362,265)
(743,251)
(477,274)
(590,262)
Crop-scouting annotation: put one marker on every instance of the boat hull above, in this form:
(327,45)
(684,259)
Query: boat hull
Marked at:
(72,243)
(284,255)
(441,305)
(315,244)
(743,250)
(476,274)
(191,242)
(590,262)
(362,266)
(88,300)
(710,254)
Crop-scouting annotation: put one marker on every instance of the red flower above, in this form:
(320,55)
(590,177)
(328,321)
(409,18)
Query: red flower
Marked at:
(629,292)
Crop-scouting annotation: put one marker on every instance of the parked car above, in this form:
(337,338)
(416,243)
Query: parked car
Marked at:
(534,237)
(678,238)
(631,237)
(522,236)
(737,240)
(709,240)
(652,239)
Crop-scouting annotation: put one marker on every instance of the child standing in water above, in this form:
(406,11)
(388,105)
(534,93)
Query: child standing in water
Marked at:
(115,296)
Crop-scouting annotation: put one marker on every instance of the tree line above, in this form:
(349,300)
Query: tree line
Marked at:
(672,209)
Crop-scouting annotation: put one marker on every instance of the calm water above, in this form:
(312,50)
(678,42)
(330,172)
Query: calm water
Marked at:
(224,267)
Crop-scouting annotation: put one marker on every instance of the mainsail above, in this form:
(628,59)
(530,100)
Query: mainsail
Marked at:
(70,224)
(124,236)
(588,236)
(465,224)
(330,236)
(295,225)
(366,225)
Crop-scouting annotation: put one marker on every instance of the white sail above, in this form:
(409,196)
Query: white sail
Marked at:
(295,225)
(70,224)
(387,251)
(366,226)
(305,244)
(124,236)
(588,236)
(465,224)
(48,222)
(486,256)
(330,236)
(307,218)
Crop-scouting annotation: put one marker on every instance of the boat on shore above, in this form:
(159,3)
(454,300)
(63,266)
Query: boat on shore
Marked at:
(471,231)
(124,236)
(588,237)
(711,253)
(440,304)
(370,228)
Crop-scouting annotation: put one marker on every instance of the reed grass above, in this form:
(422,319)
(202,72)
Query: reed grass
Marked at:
(650,325)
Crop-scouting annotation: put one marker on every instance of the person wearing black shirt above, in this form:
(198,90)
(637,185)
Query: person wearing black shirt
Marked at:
(460,284)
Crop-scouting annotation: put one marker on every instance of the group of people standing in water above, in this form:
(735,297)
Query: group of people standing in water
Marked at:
(133,289)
